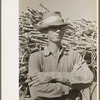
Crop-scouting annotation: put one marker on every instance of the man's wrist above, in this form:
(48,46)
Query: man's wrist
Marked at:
(62,77)
(57,76)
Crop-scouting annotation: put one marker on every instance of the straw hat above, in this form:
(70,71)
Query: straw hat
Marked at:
(51,19)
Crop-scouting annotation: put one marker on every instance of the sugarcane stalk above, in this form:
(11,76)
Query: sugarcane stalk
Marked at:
(44,7)
(27,26)
(31,11)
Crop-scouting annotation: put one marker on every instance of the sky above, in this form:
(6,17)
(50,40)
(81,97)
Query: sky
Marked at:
(75,9)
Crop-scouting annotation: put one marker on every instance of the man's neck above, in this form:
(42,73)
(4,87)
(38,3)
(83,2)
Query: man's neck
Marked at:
(54,47)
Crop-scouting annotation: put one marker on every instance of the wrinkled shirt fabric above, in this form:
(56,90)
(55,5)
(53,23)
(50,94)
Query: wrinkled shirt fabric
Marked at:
(67,62)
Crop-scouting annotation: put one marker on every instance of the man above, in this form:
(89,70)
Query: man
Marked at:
(57,73)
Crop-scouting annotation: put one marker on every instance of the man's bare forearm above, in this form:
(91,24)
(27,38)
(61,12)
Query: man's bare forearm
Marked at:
(68,79)
(49,90)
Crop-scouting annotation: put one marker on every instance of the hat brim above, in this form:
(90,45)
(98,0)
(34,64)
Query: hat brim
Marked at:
(53,24)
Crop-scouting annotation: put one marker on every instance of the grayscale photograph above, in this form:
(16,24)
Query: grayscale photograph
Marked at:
(58,50)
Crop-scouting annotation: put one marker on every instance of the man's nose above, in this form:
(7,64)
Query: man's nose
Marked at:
(58,30)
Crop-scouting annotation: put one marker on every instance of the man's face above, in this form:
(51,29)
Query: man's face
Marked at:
(55,33)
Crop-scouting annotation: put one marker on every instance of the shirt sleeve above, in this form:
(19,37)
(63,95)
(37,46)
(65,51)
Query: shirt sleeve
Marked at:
(81,76)
(49,90)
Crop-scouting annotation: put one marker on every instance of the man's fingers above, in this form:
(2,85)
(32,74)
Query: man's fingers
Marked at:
(34,78)
(34,82)
(34,75)
(27,81)
(30,79)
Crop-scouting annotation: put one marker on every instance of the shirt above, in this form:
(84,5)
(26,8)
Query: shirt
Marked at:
(75,74)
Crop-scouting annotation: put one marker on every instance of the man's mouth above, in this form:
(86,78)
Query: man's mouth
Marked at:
(57,35)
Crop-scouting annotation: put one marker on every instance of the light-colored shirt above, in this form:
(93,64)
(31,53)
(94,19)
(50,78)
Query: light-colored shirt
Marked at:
(75,74)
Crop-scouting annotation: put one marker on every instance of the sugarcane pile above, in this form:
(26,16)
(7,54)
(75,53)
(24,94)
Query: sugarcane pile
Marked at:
(80,35)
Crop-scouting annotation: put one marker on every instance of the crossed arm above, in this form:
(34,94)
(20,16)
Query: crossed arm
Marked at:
(56,84)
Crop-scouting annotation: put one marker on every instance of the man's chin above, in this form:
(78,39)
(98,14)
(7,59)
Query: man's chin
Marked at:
(57,41)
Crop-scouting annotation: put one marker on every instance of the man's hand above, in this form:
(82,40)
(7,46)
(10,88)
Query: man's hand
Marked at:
(40,78)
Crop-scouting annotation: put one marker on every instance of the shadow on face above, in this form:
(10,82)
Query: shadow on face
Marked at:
(55,33)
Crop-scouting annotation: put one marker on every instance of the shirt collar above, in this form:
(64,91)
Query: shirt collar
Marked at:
(65,51)
(47,52)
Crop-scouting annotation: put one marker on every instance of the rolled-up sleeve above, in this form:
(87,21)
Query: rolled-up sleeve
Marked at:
(49,90)
(81,76)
